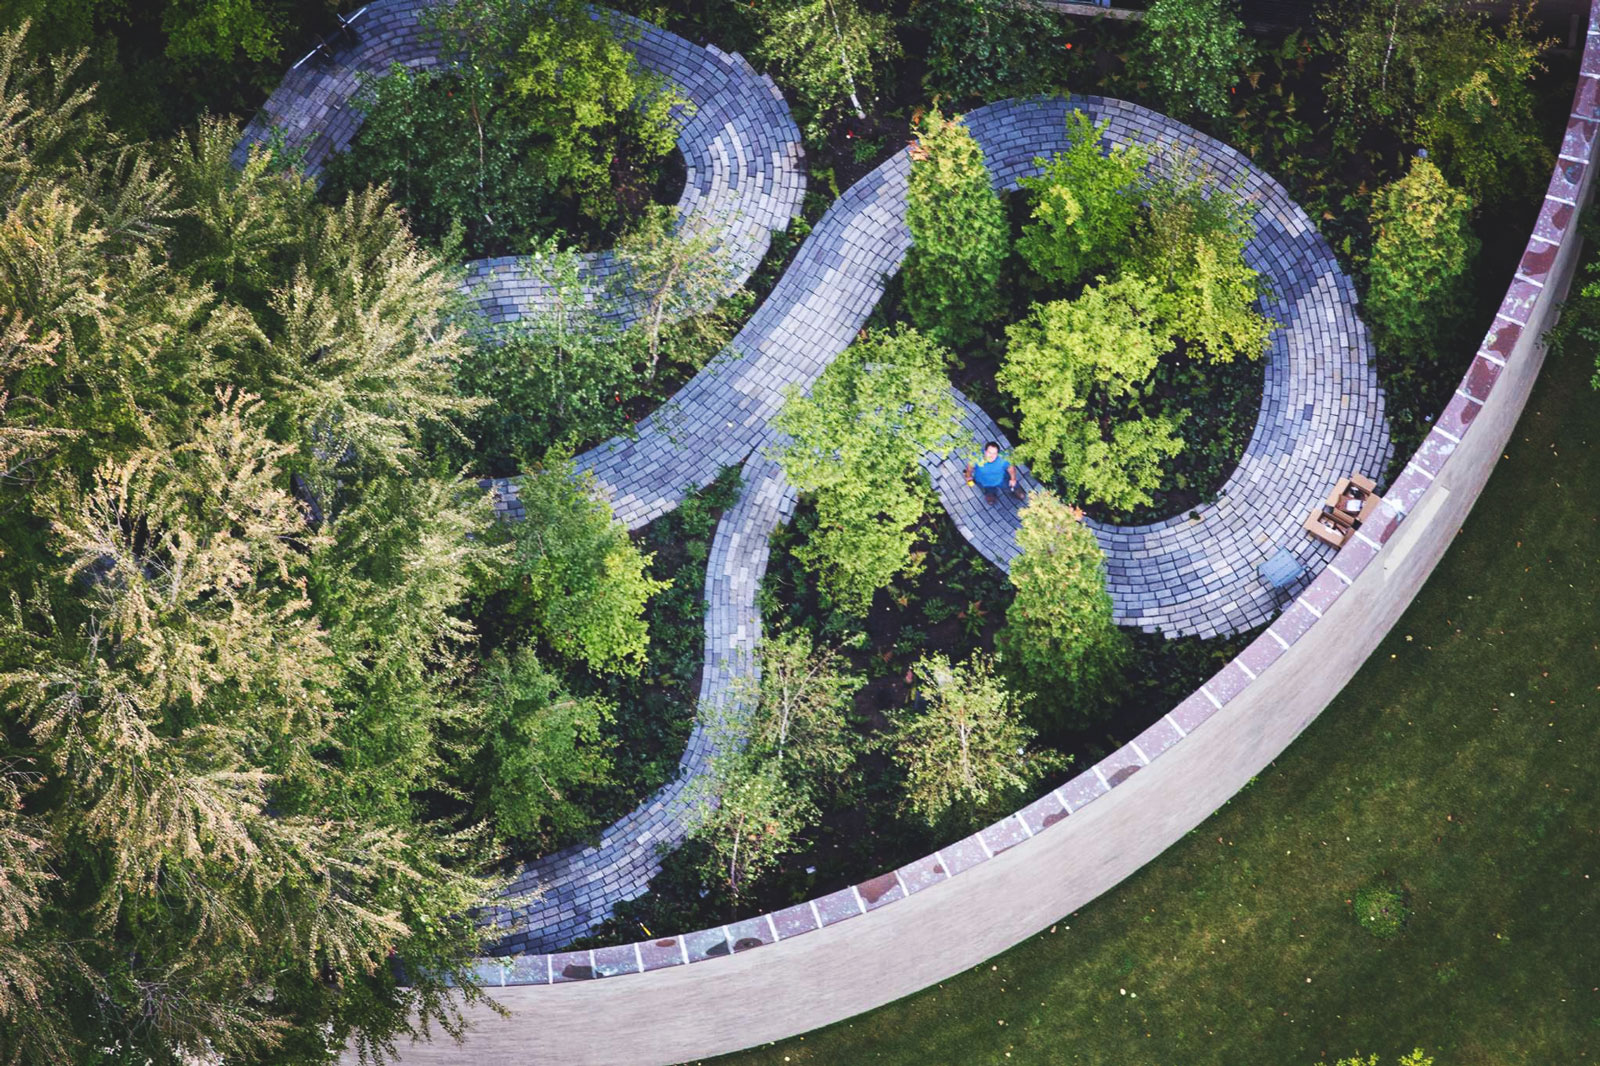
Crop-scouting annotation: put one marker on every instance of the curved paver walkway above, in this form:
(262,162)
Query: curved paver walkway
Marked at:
(561,896)
(740,145)
(1322,412)
(711,991)
(1321,415)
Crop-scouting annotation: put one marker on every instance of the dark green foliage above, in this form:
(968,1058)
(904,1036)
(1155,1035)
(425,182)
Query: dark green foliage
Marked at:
(1197,51)
(959,238)
(544,745)
(167,63)
(500,143)
(987,49)
(1438,74)
(561,374)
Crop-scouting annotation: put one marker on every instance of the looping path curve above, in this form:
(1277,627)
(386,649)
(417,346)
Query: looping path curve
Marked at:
(1322,413)
(740,146)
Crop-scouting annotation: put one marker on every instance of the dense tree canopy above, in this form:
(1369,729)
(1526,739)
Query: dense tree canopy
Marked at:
(856,441)
(243,704)
(1441,75)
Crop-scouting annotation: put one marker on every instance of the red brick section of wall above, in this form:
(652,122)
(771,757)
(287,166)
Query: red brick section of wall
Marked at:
(718,990)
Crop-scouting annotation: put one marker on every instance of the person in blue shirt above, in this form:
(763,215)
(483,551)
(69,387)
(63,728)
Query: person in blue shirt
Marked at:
(994,471)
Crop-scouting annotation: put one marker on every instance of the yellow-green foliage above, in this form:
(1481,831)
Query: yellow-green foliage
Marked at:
(958,231)
(856,442)
(580,577)
(1085,204)
(1064,365)
(1422,252)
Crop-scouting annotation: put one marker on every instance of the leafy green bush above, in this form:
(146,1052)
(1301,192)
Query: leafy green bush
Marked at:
(959,235)
(1197,50)
(1060,640)
(856,442)
(576,574)
(987,49)
(1065,365)
(1419,275)
(1381,910)
(520,135)
(1085,204)
(559,374)
(1191,238)
(964,746)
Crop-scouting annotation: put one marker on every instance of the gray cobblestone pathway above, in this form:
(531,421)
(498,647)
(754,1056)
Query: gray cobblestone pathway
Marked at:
(1322,413)
(740,145)
(560,896)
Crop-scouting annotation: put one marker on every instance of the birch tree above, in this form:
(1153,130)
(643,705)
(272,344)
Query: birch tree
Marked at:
(828,51)
(964,746)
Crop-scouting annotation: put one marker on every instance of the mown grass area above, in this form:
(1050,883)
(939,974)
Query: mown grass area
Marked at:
(1459,764)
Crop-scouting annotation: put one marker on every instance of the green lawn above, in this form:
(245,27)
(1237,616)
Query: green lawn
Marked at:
(1460,762)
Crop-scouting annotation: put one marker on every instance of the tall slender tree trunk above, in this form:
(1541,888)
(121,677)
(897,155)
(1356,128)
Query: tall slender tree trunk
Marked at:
(844,58)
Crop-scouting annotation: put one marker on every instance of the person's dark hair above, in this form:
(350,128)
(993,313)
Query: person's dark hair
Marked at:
(992,444)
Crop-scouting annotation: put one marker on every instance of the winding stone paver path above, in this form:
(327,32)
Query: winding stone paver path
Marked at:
(1322,413)
(740,145)
(561,896)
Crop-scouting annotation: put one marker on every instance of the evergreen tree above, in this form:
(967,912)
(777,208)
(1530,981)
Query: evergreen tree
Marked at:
(857,442)
(1059,639)
(220,700)
(959,235)
(1423,249)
